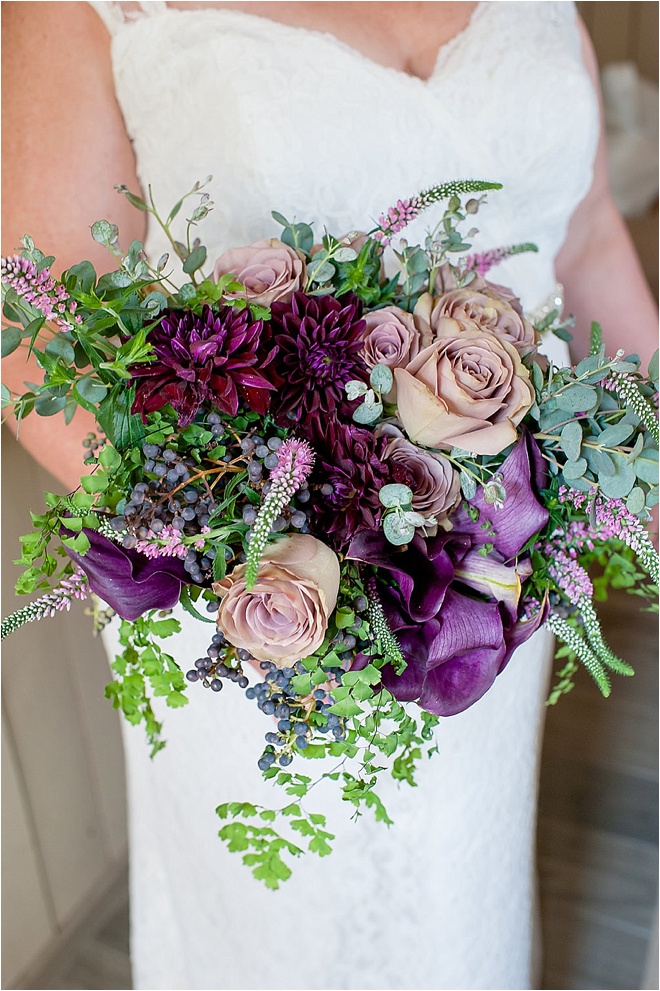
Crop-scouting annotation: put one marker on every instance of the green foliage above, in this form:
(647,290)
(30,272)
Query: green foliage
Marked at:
(144,664)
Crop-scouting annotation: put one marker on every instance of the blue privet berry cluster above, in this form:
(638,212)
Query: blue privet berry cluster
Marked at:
(297,719)
(153,505)
(222,661)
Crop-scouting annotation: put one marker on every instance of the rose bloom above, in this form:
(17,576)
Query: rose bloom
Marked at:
(486,307)
(390,338)
(469,391)
(285,615)
(268,269)
(434,483)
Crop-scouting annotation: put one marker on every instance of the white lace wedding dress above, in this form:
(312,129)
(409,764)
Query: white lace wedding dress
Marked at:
(294,120)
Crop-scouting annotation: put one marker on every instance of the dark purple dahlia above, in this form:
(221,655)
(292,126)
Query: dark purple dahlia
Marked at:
(209,358)
(349,473)
(319,340)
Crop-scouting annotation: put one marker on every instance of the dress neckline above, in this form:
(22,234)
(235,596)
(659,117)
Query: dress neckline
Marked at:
(152,9)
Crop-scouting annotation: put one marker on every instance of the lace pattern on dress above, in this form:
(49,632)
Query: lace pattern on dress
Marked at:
(114,14)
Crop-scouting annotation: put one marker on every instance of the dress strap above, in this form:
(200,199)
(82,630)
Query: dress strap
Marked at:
(114,14)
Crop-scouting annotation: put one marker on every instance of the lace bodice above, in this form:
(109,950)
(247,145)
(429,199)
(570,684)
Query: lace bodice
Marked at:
(291,119)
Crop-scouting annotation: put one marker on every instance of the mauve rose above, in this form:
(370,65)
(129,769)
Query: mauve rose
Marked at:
(486,307)
(435,484)
(469,391)
(268,269)
(285,615)
(390,338)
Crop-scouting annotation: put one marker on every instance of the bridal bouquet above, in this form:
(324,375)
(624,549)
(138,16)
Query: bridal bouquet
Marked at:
(374,488)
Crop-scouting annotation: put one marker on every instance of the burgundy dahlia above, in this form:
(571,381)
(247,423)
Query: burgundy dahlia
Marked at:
(347,477)
(209,358)
(319,340)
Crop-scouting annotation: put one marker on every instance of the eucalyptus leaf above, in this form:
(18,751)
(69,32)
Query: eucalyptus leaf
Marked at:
(577,398)
(625,367)
(397,530)
(602,463)
(91,390)
(11,338)
(195,260)
(345,254)
(652,497)
(646,467)
(636,501)
(415,519)
(354,389)
(637,449)
(571,440)
(537,377)
(589,364)
(105,233)
(574,469)
(395,494)
(381,378)
(468,486)
(84,276)
(60,347)
(323,273)
(617,486)
(615,435)
(653,367)
(368,414)
(49,405)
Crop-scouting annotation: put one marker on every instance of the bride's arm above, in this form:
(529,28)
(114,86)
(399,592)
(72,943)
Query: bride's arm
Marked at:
(64,149)
(599,268)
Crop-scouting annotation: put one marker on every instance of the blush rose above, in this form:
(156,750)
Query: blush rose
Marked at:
(390,338)
(486,307)
(284,617)
(270,270)
(469,391)
(434,483)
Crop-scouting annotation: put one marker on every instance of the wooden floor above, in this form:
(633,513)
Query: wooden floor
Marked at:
(598,843)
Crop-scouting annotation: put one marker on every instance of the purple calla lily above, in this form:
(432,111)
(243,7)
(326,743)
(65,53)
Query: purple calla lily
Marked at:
(129,582)
(522,515)
(456,643)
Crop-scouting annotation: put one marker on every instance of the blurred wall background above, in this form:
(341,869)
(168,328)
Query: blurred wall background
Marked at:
(64,816)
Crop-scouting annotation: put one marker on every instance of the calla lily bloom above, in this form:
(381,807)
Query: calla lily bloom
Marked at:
(129,582)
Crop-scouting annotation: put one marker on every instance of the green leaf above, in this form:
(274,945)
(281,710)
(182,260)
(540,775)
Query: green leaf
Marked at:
(195,260)
(344,617)
(577,398)
(574,469)
(11,338)
(571,440)
(49,405)
(90,390)
(395,494)
(84,277)
(79,543)
(636,501)
(381,378)
(368,414)
(619,485)
(615,435)
(122,428)
(109,457)
(105,233)
(397,530)
(60,347)
(346,708)
(646,467)
(653,367)
(95,483)
(135,201)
